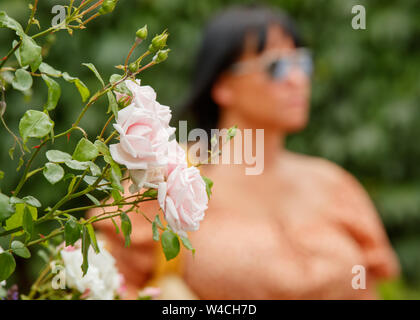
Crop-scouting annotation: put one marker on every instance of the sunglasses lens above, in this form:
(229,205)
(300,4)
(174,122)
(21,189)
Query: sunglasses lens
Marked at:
(305,63)
(278,69)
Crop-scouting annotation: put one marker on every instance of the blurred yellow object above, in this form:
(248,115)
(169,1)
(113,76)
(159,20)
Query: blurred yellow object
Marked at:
(168,277)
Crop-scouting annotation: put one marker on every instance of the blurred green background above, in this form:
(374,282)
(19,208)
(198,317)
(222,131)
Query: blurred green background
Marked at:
(365,104)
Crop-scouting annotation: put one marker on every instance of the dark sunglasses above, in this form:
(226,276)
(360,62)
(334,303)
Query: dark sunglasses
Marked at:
(278,67)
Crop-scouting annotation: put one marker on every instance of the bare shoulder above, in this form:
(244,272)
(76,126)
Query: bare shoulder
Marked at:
(321,171)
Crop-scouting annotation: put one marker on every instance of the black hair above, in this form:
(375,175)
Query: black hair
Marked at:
(223,42)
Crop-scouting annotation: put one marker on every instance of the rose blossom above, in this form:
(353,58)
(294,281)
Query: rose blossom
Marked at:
(176,156)
(144,97)
(102,280)
(183,199)
(143,140)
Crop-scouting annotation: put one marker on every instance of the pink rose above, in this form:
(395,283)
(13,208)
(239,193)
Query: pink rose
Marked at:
(176,156)
(143,140)
(183,199)
(144,97)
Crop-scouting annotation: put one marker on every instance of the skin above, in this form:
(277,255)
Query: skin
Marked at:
(293,232)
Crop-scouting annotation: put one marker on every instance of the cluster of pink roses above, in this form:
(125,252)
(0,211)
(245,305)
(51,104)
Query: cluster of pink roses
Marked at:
(146,150)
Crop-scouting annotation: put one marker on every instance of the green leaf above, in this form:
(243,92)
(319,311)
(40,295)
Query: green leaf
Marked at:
(209,185)
(7,22)
(85,249)
(115,179)
(121,87)
(53,172)
(155,230)
(85,150)
(27,222)
(11,151)
(50,71)
(15,200)
(117,230)
(94,169)
(187,244)
(32,201)
(30,53)
(116,195)
(231,132)
(77,165)
(126,228)
(71,232)
(91,180)
(83,90)
(93,199)
(113,106)
(35,124)
(20,164)
(150,193)
(54,93)
(16,220)
(7,265)
(20,250)
(92,237)
(6,209)
(93,69)
(57,156)
(170,244)
(102,147)
(1,175)
(158,222)
(22,80)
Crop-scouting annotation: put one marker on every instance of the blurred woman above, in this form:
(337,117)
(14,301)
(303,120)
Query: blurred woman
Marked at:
(302,229)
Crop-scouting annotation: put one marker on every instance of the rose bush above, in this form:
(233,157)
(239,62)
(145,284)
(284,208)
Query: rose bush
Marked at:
(142,149)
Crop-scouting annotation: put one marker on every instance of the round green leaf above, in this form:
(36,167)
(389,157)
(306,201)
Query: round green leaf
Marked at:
(50,71)
(77,165)
(22,80)
(20,250)
(16,220)
(53,172)
(35,124)
(85,150)
(34,202)
(7,265)
(57,156)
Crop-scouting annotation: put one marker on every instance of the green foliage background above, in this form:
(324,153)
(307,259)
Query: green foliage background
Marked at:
(365,104)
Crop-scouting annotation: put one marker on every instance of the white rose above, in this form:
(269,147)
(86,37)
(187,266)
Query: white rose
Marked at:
(102,278)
